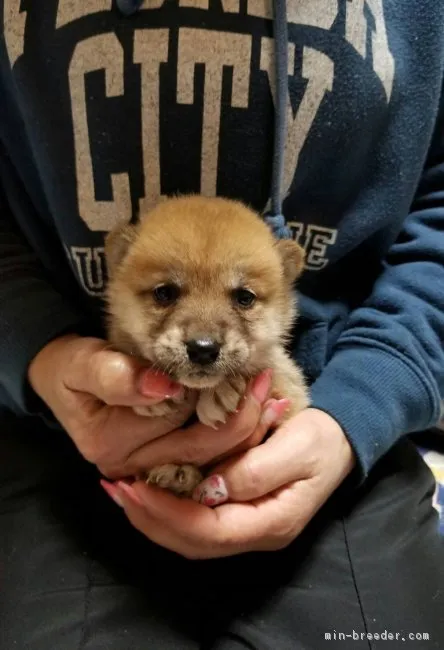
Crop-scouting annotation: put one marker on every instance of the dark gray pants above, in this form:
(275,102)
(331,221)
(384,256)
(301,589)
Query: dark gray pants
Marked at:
(75,576)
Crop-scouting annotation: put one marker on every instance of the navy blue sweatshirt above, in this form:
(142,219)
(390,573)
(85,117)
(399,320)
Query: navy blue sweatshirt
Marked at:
(103,114)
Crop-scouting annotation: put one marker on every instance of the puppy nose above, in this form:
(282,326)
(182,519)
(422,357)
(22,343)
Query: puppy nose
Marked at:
(202,351)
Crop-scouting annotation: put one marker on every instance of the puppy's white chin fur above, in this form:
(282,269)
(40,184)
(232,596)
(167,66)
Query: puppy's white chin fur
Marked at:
(209,381)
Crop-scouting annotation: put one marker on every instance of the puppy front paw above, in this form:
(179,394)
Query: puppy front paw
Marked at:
(179,479)
(215,404)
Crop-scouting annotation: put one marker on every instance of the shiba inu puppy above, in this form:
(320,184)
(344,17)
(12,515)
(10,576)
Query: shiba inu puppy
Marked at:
(201,290)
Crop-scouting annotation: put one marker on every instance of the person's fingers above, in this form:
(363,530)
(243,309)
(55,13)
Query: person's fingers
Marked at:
(149,526)
(190,529)
(117,379)
(261,470)
(320,459)
(199,444)
(272,412)
(112,491)
(197,532)
(131,432)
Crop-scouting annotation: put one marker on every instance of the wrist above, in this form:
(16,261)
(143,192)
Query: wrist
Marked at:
(331,435)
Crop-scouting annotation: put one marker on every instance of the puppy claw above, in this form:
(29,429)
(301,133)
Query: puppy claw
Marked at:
(230,392)
(208,412)
(214,406)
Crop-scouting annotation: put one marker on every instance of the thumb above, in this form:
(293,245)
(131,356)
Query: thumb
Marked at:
(115,378)
(280,460)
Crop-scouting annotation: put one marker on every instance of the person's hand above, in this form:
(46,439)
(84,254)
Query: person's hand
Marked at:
(90,389)
(271,492)
(201,445)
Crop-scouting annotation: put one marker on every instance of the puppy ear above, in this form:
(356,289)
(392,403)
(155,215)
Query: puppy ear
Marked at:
(293,258)
(117,243)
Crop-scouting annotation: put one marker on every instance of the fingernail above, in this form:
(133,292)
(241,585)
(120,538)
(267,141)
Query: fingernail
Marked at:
(274,412)
(261,385)
(129,491)
(157,385)
(112,492)
(211,492)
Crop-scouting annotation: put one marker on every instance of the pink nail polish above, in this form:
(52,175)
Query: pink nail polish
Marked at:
(112,492)
(274,412)
(211,492)
(129,491)
(156,385)
(261,385)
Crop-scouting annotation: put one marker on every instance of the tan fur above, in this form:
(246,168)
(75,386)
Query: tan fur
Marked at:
(207,248)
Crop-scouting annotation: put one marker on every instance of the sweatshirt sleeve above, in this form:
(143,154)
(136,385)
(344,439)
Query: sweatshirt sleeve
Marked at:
(386,375)
(31,314)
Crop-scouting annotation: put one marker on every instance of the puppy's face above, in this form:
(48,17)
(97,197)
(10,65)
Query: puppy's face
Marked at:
(200,289)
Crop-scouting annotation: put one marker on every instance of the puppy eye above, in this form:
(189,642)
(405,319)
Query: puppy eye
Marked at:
(166,294)
(244,297)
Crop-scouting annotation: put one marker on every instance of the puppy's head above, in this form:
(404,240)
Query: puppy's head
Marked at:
(200,289)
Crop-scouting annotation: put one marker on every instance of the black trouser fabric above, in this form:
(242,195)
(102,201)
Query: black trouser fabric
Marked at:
(74,575)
